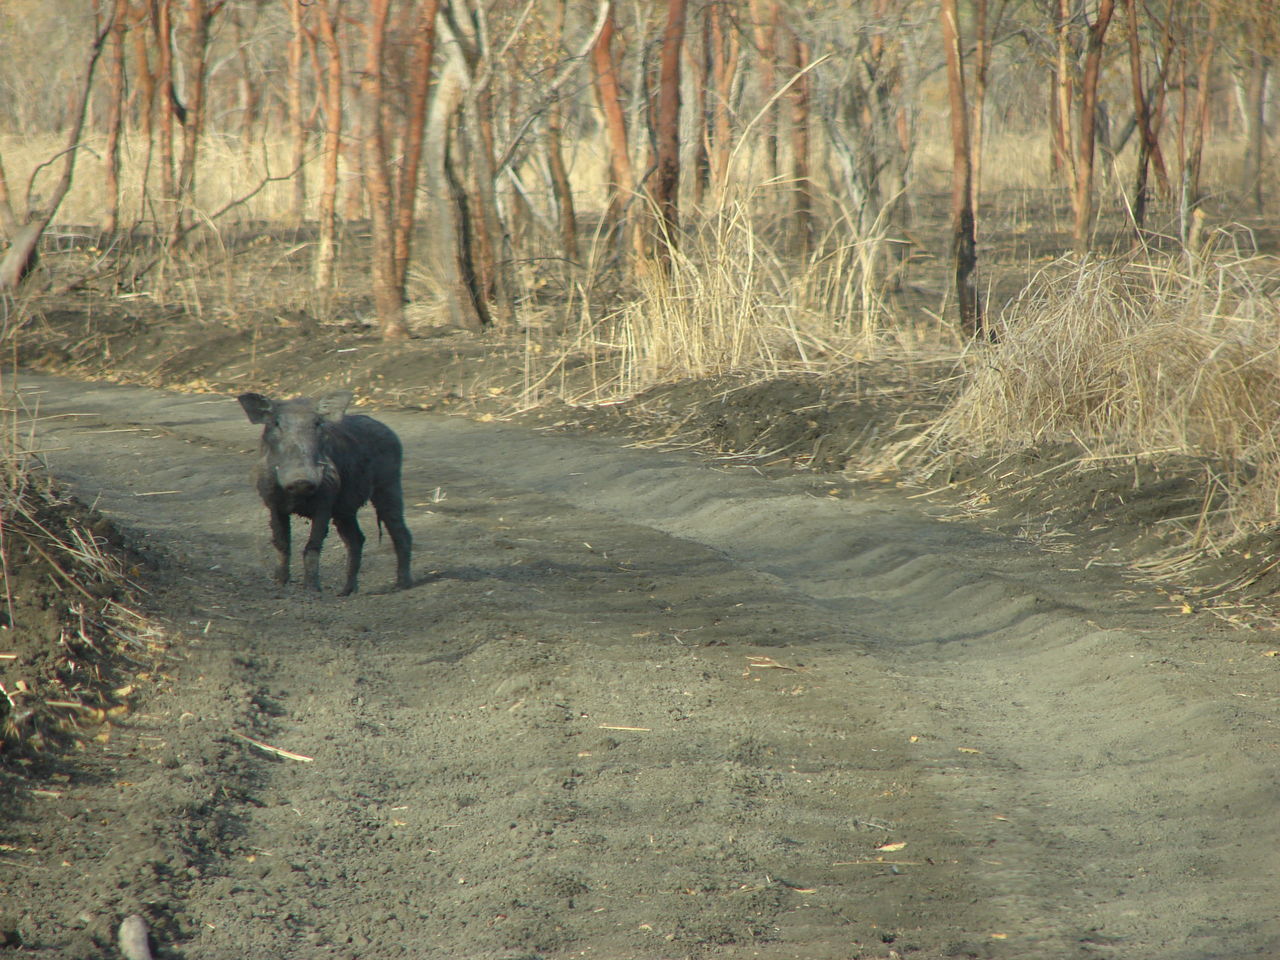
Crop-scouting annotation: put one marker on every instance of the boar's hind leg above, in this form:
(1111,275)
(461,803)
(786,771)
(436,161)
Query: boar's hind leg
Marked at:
(349,530)
(280,538)
(389,504)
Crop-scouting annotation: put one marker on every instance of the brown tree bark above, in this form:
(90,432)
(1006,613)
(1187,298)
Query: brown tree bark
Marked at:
(388,295)
(963,230)
(1142,117)
(1083,193)
(560,186)
(329,20)
(293,101)
(444,241)
(199,13)
(765,16)
(250,96)
(981,60)
(25,236)
(667,134)
(146,96)
(698,62)
(725,50)
(115,114)
(1204,80)
(166,104)
(415,123)
(801,188)
(1065,91)
(1255,127)
(608,90)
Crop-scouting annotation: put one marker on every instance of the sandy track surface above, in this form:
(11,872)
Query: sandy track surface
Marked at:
(640,705)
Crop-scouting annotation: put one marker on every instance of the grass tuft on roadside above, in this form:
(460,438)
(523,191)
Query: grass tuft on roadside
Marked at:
(72,649)
(1139,357)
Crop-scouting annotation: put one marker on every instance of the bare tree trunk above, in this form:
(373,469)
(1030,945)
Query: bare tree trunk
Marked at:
(1255,127)
(724,67)
(560,185)
(801,189)
(115,114)
(352,148)
(622,181)
(963,231)
(981,57)
(167,104)
(250,98)
(1204,76)
(197,42)
(667,133)
(1083,192)
(21,255)
(1065,90)
(415,123)
(146,97)
(444,242)
(293,100)
(329,16)
(1142,118)
(696,162)
(765,16)
(388,296)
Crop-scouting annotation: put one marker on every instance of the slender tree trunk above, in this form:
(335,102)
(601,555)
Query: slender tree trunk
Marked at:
(1157,113)
(444,241)
(667,180)
(329,17)
(1204,79)
(167,106)
(963,231)
(1066,88)
(415,122)
(197,42)
(1142,118)
(388,295)
(724,67)
(1084,200)
(765,16)
(1255,128)
(622,179)
(491,273)
(18,260)
(115,114)
(801,191)
(981,57)
(250,98)
(352,150)
(146,98)
(293,100)
(560,185)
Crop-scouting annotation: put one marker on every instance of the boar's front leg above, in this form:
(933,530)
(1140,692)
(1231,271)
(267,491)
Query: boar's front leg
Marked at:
(311,552)
(280,538)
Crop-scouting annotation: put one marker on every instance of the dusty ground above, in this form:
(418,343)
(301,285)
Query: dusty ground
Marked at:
(638,703)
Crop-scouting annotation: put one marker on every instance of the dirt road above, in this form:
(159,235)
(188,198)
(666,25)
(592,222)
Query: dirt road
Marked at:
(638,705)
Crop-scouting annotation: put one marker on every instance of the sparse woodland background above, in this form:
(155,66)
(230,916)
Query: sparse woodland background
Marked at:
(1076,197)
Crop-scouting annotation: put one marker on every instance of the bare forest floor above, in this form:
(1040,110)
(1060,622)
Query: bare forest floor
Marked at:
(697,675)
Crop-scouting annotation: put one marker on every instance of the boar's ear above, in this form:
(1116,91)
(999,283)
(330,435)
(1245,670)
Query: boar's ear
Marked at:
(259,409)
(332,406)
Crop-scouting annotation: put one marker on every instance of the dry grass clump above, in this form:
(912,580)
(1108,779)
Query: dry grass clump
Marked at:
(66,639)
(1142,355)
(732,301)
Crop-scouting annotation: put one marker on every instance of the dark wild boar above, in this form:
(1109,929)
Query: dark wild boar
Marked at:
(318,463)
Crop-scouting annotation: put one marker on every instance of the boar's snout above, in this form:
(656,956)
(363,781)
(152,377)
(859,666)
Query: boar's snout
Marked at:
(300,487)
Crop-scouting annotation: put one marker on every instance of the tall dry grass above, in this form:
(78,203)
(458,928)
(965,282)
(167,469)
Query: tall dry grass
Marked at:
(734,300)
(1149,354)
